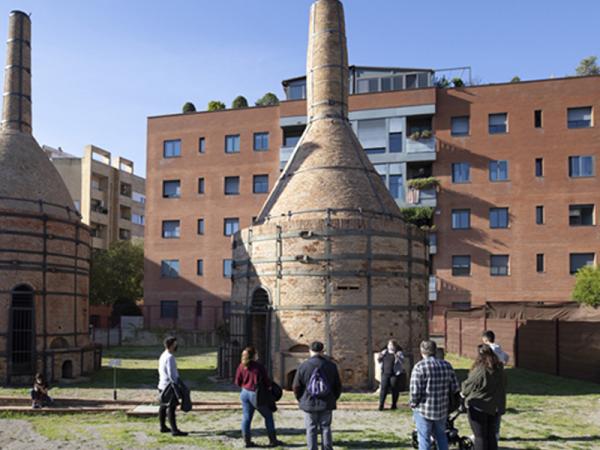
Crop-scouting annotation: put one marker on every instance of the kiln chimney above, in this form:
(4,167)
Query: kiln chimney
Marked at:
(16,114)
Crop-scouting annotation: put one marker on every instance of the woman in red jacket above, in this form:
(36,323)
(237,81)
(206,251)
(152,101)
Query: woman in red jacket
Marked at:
(250,373)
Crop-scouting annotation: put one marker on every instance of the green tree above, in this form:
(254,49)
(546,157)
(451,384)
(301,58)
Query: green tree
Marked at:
(587,286)
(588,66)
(239,102)
(269,99)
(117,276)
(458,82)
(515,79)
(215,105)
(188,107)
(421,216)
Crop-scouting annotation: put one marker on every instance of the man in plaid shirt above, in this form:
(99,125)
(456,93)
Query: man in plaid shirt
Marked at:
(431,382)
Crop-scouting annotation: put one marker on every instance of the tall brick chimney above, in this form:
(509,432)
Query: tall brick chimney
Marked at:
(16,113)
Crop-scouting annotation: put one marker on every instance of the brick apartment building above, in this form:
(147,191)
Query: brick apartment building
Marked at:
(507,156)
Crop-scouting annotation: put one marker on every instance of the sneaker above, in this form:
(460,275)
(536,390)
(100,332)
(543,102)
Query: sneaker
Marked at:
(178,433)
(165,430)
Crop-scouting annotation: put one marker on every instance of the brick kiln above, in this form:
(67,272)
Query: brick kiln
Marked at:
(329,257)
(44,247)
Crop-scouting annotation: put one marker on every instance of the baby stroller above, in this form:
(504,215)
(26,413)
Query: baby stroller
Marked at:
(454,438)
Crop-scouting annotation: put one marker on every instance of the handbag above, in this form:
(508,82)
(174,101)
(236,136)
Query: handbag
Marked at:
(264,395)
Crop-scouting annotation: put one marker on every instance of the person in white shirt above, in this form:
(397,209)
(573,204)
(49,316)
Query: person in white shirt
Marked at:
(167,380)
(489,338)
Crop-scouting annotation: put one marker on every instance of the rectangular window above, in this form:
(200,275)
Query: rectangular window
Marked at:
(539,167)
(227,268)
(581,215)
(232,185)
(499,171)
(137,219)
(368,85)
(291,135)
(226,310)
(201,185)
(537,118)
(139,198)
(199,308)
(231,226)
(579,117)
(461,266)
(372,135)
(499,265)
(539,215)
(395,142)
(232,143)
(461,219)
(581,166)
(579,260)
(498,123)
(498,217)
(169,268)
(169,309)
(172,148)
(202,145)
(260,184)
(461,172)
(171,189)
(539,263)
(396,188)
(200,226)
(460,126)
(170,229)
(261,142)
(200,267)
(411,81)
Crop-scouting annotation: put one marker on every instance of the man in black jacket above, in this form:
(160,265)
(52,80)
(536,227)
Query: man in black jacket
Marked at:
(317,387)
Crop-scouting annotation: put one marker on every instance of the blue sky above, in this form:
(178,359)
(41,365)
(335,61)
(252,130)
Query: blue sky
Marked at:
(101,67)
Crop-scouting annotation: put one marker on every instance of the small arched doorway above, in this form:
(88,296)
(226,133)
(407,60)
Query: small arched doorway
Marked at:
(67,369)
(259,325)
(22,331)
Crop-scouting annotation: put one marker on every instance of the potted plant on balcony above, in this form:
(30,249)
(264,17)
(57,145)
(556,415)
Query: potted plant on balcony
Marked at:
(418,135)
(422,184)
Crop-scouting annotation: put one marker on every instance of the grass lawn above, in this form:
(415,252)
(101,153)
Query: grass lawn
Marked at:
(545,412)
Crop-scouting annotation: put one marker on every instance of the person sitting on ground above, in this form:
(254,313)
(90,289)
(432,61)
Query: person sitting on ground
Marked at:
(391,359)
(39,392)
(489,338)
(167,388)
(485,394)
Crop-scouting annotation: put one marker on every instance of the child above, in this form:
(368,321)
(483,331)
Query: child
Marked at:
(39,393)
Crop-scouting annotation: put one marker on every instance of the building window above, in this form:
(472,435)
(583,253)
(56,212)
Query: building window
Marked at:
(137,219)
(226,310)
(227,268)
(461,172)
(170,229)
(198,308)
(232,185)
(581,166)
(260,184)
(499,265)
(539,167)
(200,267)
(261,142)
(497,123)
(395,142)
(171,189)
(498,217)
(499,171)
(292,135)
(137,197)
(172,149)
(579,117)
(169,268)
(539,263)
(579,260)
(232,143)
(202,145)
(169,309)
(537,118)
(461,266)
(581,215)
(539,215)
(201,185)
(396,186)
(200,226)
(461,219)
(372,134)
(460,126)
(231,226)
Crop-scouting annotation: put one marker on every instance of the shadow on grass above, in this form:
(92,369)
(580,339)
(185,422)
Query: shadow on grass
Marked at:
(555,438)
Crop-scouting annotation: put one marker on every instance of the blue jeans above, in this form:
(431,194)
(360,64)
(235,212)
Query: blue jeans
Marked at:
(248,399)
(427,428)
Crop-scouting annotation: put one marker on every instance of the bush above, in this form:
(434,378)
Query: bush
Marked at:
(188,108)
(457,82)
(442,83)
(587,286)
(239,102)
(515,79)
(269,99)
(215,105)
(423,183)
(420,216)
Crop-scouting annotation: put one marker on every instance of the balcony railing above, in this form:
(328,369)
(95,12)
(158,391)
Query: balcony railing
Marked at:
(422,197)
(420,146)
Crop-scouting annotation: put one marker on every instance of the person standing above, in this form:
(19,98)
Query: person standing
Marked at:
(168,378)
(250,376)
(317,387)
(391,359)
(489,338)
(485,394)
(431,383)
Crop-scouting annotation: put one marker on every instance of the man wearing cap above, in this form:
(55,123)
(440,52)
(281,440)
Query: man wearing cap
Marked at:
(317,387)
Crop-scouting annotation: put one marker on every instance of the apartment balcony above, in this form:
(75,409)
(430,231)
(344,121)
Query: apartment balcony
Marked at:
(422,197)
(285,154)
(98,243)
(99,216)
(420,145)
(432,288)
